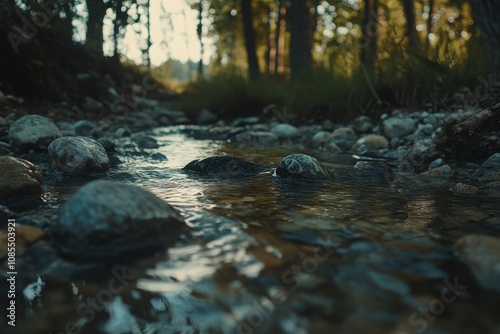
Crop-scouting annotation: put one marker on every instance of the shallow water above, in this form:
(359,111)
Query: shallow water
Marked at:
(268,256)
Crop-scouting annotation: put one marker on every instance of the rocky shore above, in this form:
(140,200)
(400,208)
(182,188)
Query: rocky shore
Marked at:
(401,149)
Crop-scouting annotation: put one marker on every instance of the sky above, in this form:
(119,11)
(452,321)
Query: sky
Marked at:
(173,34)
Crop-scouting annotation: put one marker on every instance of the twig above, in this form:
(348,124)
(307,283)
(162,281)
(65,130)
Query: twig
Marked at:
(477,120)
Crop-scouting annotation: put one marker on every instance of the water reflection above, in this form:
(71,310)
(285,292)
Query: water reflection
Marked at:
(269,256)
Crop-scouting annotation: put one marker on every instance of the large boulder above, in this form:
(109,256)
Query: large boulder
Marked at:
(19,178)
(78,155)
(33,130)
(226,167)
(105,218)
(302,166)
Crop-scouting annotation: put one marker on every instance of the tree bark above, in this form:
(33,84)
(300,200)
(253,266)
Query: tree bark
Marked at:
(94,38)
(479,120)
(249,32)
(486,15)
(280,39)
(199,31)
(429,24)
(368,53)
(300,43)
(411,32)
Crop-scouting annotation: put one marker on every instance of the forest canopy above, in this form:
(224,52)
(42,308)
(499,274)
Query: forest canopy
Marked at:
(317,58)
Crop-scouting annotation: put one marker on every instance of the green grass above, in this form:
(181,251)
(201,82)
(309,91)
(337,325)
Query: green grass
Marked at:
(404,80)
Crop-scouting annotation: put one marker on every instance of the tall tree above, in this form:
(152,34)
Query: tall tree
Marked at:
(249,32)
(369,35)
(411,31)
(94,38)
(279,64)
(300,40)
(199,31)
(486,14)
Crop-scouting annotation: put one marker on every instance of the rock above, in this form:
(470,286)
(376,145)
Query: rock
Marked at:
(3,122)
(285,131)
(86,129)
(421,154)
(343,138)
(108,145)
(332,148)
(122,132)
(79,155)
(245,121)
(145,142)
(256,138)
(444,172)
(226,167)
(481,253)
(423,131)
(492,188)
(373,171)
(489,177)
(328,125)
(436,163)
(302,166)
(105,218)
(5,149)
(33,130)
(362,124)
(318,139)
(370,144)
(464,189)
(91,105)
(19,178)
(25,235)
(2,97)
(159,157)
(492,164)
(398,127)
(66,128)
(206,117)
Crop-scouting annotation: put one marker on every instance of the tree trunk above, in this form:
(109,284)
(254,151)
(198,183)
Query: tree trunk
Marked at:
(300,43)
(486,15)
(368,53)
(429,24)
(96,12)
(148,29)
(249,32)
(279,64)
(411,32)
(199,31)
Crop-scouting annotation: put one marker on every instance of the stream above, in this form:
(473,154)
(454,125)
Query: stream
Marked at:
(266,255)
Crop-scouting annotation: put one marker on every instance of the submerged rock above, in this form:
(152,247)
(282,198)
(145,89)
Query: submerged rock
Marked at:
(19,178)
(373,171)
(33,130)
(481,253)
(257,138)
(105,218)
(302,166)
(224,167)
(78,155)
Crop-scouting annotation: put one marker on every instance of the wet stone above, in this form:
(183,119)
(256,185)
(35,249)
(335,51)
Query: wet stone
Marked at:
(481,253)
(86,129)
(302,166)
(398,127)
(19,178)
(344,138)
(370,144)
(226,167)
(33,130)
(25,235)
(256,138)
(492,164)
(464,189)
(105,218)
(79,155)
(285,131)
